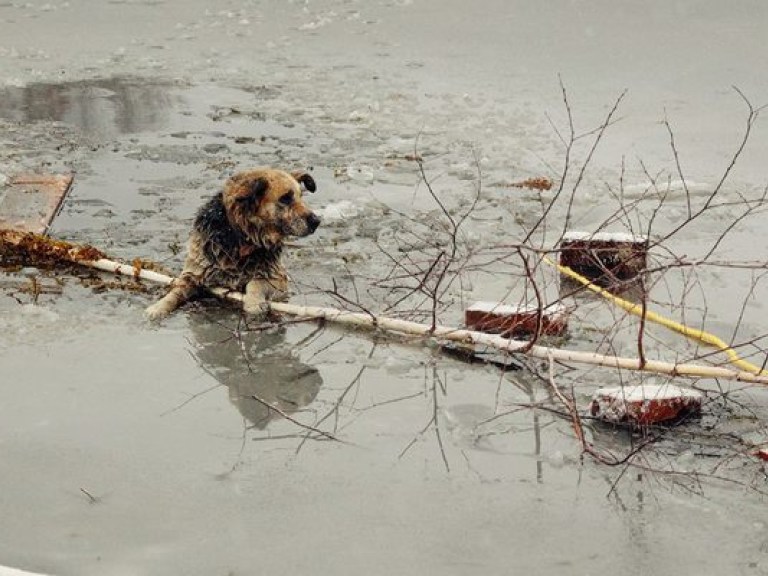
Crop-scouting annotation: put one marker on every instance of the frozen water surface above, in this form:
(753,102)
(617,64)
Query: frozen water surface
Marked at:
(136,449)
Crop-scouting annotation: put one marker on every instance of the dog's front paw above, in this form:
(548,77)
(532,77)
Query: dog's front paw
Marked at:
(255,306)
(156,311)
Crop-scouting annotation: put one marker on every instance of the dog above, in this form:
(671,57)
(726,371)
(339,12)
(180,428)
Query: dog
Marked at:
(237,240)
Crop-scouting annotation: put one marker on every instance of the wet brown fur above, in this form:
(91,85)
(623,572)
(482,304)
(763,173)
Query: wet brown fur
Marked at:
(237,240)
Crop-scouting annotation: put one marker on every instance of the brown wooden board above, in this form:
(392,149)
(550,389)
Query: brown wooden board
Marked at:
(30,202)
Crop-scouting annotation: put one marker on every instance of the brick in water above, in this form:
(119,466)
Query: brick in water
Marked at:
(604,256)
(517,321)
(645,404)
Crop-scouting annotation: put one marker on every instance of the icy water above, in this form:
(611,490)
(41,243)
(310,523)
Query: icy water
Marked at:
(128,448)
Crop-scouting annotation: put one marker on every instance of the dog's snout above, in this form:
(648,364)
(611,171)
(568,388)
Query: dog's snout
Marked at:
(313,221)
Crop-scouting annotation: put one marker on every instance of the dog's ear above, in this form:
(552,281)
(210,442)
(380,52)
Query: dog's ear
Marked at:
(305,179)
(255,191)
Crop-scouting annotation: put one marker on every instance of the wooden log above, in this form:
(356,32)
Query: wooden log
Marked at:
(359,320)
(441,333)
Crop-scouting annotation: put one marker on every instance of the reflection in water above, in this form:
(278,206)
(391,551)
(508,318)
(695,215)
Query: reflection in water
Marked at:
(252,364)
(100,108)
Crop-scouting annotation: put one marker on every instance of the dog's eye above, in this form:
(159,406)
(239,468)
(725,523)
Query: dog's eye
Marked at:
(286,199)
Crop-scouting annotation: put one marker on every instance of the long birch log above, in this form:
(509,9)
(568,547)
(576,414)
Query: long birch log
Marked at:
(508,345)
(79,255)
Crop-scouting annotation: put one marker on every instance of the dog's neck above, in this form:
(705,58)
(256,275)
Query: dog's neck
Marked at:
(256,238)
(248,247)
(251,245)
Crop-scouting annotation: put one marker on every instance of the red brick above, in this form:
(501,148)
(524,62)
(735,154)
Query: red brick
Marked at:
(498,318)
(646,404)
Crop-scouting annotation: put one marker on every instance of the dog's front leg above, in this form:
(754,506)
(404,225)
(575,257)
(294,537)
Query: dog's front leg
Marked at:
(255,297)
(259,290)
(182,289)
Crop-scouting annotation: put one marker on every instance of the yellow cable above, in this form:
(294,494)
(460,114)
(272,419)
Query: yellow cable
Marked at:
(637,310)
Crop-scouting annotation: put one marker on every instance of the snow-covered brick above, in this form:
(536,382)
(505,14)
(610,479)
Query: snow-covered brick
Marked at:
(522,320)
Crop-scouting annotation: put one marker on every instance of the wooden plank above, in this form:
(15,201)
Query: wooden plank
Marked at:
(30,202)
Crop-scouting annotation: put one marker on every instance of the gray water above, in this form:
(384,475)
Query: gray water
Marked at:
(128,448)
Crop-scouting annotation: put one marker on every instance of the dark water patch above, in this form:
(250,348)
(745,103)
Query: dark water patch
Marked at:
(102,108)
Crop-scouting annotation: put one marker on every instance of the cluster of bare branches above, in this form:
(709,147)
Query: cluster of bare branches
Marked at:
(433,260)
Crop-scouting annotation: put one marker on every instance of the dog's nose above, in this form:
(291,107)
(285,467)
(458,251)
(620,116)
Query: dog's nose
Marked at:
(313,221)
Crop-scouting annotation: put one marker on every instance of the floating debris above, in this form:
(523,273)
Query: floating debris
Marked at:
(20,249)
(28,249)
(541,184)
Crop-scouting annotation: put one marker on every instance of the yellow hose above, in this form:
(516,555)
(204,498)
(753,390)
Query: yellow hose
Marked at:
(637,310)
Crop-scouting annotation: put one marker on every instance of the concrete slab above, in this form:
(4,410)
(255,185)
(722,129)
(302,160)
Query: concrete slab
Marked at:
(31,201)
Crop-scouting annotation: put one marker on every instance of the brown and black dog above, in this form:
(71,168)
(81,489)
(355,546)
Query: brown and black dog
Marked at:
(237,240)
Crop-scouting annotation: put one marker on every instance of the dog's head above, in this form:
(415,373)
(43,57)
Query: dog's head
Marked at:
(267,205)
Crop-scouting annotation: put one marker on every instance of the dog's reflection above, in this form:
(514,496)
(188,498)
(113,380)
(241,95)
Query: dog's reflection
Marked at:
(253,364)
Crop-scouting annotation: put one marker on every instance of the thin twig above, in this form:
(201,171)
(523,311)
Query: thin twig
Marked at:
(294,421)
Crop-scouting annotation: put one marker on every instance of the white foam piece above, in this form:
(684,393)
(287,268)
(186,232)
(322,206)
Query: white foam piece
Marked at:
(574,235)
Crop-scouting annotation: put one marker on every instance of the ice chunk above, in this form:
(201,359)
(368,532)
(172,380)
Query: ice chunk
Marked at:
(6,571)
(38,314)
(395,365)
(360,173)
(338,212)
(556,459)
